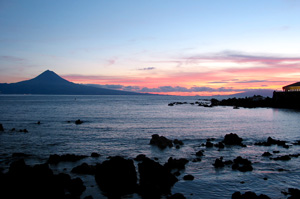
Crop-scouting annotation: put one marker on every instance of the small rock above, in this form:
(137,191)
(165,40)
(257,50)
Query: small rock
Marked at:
(78,122)
(84,168)
(265,154)
(1,127)
(95,155)
(188,177)
(140,157)
(199,153)
(177,196)
(161,141)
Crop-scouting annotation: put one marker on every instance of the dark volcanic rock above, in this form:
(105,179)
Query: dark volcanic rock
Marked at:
(284,157)
(233,139)
(161,141)
(23,181)
(176,163)
(95,155)
(219,163)
(242,164)
(1,127)
(208,144)
(188,177)
(295,193)
(55,159)
(140,157)
(199,153)
(155,179)
(266,154)
(84,168)
(177,196)
(248,195)
(78,122)
(270,141)
(116,177)
(220,145)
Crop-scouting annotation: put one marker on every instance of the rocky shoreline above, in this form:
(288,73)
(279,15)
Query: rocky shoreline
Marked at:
(119,176)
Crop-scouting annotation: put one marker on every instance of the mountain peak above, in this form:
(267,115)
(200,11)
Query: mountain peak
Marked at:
(49,76)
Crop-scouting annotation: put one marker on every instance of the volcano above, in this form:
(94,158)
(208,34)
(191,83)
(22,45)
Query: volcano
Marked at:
(49,83)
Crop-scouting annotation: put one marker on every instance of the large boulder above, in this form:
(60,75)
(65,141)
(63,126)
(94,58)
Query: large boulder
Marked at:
(116,177)
(233,139)
(38,181)
(155,179)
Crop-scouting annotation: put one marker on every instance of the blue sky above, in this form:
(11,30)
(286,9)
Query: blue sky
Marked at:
(153,44)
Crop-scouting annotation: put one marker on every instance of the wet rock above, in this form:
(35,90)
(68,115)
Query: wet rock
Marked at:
(176,163)
(219,163)
(270,141)
(266,154)
(140,157)
(78,122)
(208,144)
(242,164)
(23,131)
(38,181)
(178,142)
(199,153)
(38,122)
(116,177)
(284,157)
(233,139)
(196,160)
(84,168)
(161,141)
(295,193)
(188,177)
(95,155)
(220,145)
(177,196)
(248,195)
(55,159)
(1,127)
(20,155)
(297,142)
(155,179)
(76,187)
(276,151)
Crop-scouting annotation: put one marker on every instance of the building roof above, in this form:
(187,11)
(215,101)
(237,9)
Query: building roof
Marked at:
(294,84)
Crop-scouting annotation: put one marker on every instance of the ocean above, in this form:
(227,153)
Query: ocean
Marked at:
(123,125)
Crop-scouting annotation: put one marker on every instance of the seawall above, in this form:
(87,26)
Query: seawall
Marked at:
(286,100)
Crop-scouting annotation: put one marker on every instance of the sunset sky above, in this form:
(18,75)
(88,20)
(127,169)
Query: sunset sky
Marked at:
(177,47)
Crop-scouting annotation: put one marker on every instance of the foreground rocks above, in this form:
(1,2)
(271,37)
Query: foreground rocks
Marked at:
(116,177)
(248,195)
(55,159)
(23,181)
(155,179)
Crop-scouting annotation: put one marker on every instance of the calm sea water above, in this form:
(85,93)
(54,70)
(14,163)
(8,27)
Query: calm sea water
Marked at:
(123,125)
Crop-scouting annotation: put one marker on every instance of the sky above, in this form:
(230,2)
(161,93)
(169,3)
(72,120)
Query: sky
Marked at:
(176,47)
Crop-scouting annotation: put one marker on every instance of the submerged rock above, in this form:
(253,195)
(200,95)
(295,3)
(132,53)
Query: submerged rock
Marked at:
(116,177)
(266,154)
(270,141)
(1,127)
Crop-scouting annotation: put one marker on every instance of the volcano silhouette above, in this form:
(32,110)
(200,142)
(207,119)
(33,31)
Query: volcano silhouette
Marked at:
(50,83)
